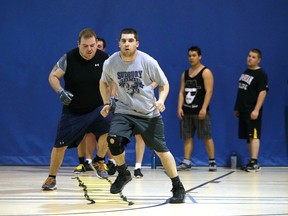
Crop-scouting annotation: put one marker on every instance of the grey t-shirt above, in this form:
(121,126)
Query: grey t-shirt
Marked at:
(133,80)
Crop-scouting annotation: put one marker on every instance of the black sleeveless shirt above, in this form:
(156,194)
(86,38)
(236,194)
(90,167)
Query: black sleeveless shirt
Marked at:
(82,80)
(194,93)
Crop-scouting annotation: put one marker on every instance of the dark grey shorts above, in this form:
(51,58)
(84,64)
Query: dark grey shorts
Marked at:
(151,130)
(190,123)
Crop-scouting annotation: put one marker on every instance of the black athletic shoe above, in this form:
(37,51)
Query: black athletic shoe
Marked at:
(252,166)
(120,182)
(88,166)
(112,168)
(212,166)
(178,194)
(138,173)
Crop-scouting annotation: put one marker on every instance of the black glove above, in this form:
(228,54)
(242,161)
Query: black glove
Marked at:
(112,104)
(65,96)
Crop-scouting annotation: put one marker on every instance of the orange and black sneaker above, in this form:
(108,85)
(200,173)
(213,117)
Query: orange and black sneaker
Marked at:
(49,184)
(101,169)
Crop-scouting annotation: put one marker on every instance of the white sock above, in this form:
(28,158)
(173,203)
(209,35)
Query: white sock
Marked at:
(89,161)
(137,166)
(113,161)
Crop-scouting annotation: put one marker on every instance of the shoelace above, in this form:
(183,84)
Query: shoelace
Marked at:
(49,180)
(102,166)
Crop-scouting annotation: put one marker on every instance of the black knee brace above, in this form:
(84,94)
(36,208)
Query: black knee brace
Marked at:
(115,144)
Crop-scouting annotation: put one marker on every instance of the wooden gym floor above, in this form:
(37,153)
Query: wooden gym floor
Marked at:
(225,192)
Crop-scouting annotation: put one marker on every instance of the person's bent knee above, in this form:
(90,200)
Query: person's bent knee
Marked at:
(115,144)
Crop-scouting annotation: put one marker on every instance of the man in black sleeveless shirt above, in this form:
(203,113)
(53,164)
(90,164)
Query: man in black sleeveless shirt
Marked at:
(252,90)
(82,103)
(193,108)
(89,143)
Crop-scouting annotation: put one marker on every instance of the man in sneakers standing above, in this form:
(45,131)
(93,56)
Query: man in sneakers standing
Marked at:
(137,110)
(252,90)
(193,108)
(81,69)
(90,142)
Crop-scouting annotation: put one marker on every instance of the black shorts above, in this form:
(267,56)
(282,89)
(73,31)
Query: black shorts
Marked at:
(72,128)
(249,128)
(151,130)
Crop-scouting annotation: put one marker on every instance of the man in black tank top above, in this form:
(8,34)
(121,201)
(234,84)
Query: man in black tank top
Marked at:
(193,108)
(81,69)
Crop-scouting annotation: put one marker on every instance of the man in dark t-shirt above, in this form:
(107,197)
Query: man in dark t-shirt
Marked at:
(81,69)
(252,90)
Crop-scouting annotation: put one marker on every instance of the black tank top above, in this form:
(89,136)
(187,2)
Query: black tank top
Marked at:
(82,79)
(194,93)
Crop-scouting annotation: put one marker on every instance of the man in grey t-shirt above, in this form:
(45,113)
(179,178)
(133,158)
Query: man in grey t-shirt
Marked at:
(136,109)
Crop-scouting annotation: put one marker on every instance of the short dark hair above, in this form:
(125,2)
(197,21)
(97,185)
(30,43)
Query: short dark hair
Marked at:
(129,31)
(258,51)
(86,33)
(103,40)
(196,49)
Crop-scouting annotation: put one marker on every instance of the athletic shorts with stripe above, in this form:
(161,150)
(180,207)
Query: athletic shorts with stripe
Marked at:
(249,128)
